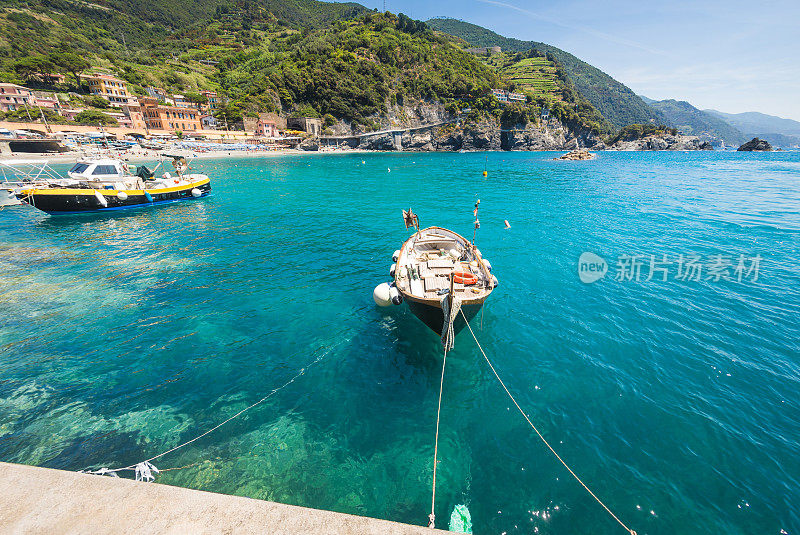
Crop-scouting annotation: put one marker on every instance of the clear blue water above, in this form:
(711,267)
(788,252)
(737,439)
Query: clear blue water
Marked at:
(678,402)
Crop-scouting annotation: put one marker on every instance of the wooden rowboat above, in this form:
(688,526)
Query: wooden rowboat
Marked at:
(436,264)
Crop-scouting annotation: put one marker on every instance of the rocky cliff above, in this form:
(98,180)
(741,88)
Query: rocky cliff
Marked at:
(666,142)
(755,144)
(487,134)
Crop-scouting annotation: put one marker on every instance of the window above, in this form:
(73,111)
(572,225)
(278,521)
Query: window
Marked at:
(79,168)
(105,170)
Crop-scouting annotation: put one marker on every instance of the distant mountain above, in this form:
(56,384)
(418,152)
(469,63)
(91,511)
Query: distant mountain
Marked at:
(753,121)
(777,130)
(691,121)
(618,104)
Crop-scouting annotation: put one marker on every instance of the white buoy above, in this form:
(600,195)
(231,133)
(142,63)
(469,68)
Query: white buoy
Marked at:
(101,199)
(382,295)
(495,282)
(121,195)
(395,255)
(196,192)
(478,253)
(487,264)
(392,270)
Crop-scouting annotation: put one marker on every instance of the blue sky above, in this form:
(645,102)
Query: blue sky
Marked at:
(730,56)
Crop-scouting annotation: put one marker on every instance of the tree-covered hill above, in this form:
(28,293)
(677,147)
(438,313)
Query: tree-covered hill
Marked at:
(354,69)
(618,104)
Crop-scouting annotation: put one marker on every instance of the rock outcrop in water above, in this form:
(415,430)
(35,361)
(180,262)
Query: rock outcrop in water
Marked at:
(756,144)
(580,154)
(666,142)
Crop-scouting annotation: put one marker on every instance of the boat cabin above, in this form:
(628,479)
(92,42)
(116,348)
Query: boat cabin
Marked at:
(98,171)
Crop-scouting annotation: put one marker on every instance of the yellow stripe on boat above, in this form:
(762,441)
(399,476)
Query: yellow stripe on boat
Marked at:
(75,191)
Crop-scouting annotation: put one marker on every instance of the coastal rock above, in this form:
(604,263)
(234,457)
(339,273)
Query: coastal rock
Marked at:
(310,144)
(418,141)
(378,142)
(756,144)
(580,154)
(534,139)
(665,142)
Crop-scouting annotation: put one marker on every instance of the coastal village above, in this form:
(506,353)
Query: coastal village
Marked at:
(158,116)
(165,116)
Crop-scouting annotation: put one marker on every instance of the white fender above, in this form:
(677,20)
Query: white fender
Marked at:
(381,295)
(100,198)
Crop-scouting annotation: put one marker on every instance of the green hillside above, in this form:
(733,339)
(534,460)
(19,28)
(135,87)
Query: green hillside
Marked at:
(350,68)
(689,120)
(618,104)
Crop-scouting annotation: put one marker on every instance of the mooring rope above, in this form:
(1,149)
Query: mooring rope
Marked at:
(144,470)
(432,516)
(579,480)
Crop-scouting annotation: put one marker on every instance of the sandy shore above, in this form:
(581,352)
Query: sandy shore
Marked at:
(150,155)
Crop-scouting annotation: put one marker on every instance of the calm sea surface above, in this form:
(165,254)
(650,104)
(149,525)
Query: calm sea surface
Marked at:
(677,401)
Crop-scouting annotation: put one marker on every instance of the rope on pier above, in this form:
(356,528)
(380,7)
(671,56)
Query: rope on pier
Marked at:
(598,500)
(145,470)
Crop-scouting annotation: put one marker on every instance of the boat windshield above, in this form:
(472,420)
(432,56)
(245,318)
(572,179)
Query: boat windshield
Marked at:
(79,168)
(105,170)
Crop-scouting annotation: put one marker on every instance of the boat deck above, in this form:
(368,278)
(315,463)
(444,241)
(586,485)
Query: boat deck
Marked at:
(427,261)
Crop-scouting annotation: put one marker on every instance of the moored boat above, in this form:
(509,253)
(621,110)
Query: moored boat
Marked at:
(107,184)
(437,272)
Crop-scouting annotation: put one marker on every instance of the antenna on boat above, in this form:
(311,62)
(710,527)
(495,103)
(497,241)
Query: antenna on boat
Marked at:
(477,223)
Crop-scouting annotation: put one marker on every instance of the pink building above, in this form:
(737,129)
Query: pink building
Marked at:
(48,101)
(266,128)
(14,97)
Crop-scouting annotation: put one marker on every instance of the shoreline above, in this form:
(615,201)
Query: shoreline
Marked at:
(149,155)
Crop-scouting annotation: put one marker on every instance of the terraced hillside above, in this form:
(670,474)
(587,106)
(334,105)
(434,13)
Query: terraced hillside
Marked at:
(536,75)
(618,104)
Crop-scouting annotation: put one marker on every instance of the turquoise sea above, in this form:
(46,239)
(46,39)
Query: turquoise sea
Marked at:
(677,401)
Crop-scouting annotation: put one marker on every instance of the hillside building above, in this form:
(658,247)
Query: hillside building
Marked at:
(14,97)
(110,88)
(504,97)
(213,101)
(159,116)
(311,125)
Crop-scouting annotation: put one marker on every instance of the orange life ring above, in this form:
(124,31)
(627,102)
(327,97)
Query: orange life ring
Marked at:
(464,277)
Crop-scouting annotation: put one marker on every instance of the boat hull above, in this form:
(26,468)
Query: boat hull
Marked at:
(69,200)
(433,316)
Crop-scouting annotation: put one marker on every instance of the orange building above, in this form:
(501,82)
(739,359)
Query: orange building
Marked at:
(162,117)
(110,88)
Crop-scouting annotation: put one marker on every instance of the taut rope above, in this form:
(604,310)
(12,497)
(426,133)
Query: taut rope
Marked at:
(144,470)
(432,516)
(615,517)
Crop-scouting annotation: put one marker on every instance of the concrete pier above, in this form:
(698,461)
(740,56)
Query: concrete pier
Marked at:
(42,500)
